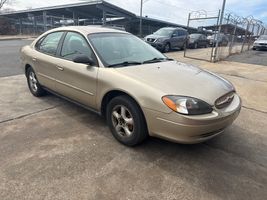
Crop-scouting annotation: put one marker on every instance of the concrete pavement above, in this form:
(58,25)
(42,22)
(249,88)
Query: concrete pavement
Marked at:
(252,57)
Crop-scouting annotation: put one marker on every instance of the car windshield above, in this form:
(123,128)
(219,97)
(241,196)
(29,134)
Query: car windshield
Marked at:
(164,32)
(263,37)
(122,49)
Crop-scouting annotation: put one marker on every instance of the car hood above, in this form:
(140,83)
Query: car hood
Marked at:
(156,36)
(261,41)
(176,78)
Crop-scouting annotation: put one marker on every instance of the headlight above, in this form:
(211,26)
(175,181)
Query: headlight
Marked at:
(160,40)
(191,40)
(187,105)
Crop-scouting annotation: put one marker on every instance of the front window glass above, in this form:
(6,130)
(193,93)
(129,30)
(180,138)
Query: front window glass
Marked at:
(182,33)
(115,48)
(164,32)
(75,44)
(50,43)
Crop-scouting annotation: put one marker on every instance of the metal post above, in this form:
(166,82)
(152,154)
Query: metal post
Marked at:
(141,13)
(245,39)
(219,31)
(104,18)
(74,18)
(262,30)
(20,26)
(34,25)
(52,21)
(213,53)
(44,21)
(228,18)
(258,30)
(232,41)
(251,35)
(188,21)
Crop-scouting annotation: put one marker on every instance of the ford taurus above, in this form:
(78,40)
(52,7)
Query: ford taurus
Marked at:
(139,91)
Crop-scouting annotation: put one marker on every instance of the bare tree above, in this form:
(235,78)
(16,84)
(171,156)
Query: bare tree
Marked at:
(2,2)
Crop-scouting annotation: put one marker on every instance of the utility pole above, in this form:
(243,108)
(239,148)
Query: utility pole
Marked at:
(141,13)
(219,30)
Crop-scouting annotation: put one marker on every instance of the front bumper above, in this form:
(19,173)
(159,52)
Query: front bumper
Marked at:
(191,129)
(157,45)
(260,46)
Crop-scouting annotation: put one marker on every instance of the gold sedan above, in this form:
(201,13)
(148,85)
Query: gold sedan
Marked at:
(137,89)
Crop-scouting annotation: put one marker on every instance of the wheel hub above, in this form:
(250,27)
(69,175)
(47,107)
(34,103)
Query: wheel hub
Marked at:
(33,81)
(122,121)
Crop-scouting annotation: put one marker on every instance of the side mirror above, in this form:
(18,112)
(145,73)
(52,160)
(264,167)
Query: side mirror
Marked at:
(83,59)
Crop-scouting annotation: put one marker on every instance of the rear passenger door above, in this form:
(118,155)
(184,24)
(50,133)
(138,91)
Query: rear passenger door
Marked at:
(174,39)
(75,80)
(44,58)
(181,38)
(202,40)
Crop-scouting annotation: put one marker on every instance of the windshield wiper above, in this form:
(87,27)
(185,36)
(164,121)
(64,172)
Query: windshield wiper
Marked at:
(125,63)
(154,60)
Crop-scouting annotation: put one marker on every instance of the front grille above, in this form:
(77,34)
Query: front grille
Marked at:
(263,43)
(225,100)
(151,39)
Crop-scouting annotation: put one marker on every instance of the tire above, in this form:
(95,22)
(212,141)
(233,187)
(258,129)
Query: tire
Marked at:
(126,121)
(33,84)
(166,48)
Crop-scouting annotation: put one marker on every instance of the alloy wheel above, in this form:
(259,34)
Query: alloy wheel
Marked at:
(122,121)
(33,81)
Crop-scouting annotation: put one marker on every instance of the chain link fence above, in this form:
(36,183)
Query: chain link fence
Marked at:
(235,35)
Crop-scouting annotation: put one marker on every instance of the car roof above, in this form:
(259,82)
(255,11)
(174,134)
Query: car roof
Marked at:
(174,28)
(87,29)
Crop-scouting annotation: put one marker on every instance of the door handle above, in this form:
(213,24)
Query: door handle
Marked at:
(34,59)
(60,68)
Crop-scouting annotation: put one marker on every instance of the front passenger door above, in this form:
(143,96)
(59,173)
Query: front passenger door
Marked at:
(74,80)
(174,39)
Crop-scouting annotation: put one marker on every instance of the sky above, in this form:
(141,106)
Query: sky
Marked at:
(175,11)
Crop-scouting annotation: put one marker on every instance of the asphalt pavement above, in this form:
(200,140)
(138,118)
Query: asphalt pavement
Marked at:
(257,57)
(9,57)
(52,149)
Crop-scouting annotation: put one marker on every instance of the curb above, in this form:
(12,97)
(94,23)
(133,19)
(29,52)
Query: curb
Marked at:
(21,38)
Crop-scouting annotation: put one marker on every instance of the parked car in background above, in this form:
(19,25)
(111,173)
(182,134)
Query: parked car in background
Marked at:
(138,90)
(197,40)
(168,38)
(221,38)
(260,43)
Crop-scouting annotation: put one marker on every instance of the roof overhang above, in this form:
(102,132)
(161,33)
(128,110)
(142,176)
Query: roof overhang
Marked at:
(89,9)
